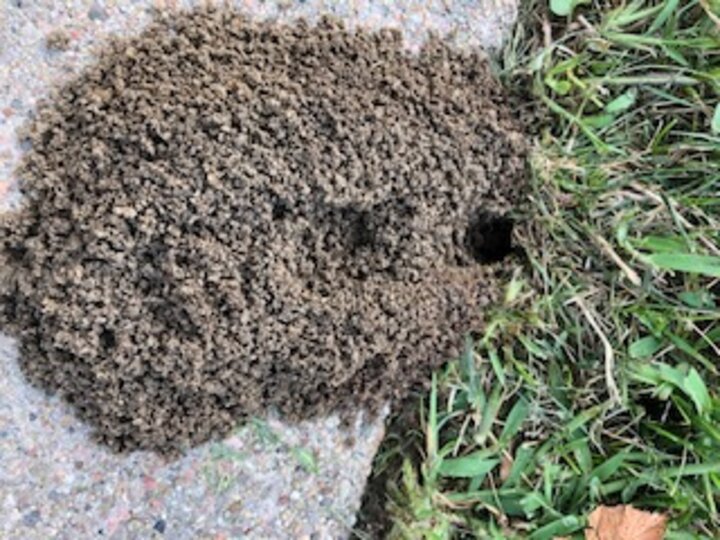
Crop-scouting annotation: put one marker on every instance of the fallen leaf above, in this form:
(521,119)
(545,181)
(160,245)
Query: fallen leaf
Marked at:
(624,523)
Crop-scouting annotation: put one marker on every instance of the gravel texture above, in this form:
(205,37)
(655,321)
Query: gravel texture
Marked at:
(267,480)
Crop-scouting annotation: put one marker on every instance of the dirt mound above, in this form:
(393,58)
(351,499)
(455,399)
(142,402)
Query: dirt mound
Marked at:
(223,217)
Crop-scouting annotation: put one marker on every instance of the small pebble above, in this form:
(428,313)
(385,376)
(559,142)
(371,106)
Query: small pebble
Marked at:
(97,12)
(31,518)
(160,526)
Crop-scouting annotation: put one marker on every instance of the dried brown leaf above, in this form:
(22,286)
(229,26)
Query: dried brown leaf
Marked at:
(624,522)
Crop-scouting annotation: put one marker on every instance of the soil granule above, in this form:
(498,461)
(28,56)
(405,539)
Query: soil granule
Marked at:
(57,40)
(225,217)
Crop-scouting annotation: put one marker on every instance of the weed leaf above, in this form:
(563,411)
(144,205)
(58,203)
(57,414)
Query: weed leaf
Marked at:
(467,466)
(622,103)
(695,387)
(565,7)
(644,347)
(706,265)
(514,420)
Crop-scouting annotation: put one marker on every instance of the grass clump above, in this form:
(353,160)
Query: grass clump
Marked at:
(596,382)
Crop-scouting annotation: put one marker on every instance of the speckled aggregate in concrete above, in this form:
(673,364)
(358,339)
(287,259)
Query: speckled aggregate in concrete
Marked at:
(269,479)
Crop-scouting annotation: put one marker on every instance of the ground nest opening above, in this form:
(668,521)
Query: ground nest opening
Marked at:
(223,217)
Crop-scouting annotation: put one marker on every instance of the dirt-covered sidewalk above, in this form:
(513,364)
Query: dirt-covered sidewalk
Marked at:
(268,479)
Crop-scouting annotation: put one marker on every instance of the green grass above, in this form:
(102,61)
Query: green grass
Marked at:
(596,382)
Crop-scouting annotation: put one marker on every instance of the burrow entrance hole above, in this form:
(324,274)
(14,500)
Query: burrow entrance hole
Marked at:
(489,237)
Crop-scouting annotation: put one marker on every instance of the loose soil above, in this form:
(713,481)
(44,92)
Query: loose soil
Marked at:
(224,217)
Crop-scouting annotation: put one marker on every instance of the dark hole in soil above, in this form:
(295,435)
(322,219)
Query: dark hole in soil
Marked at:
(16,252)
(660,411)
(9,301)
(361,231)
(107,339)
(489,237)
(280,209)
